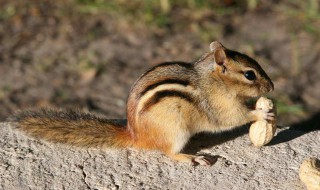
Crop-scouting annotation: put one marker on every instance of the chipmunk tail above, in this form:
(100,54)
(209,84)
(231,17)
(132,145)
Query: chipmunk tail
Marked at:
(73,128)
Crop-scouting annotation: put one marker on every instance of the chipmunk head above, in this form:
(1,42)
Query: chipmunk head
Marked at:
(238,72)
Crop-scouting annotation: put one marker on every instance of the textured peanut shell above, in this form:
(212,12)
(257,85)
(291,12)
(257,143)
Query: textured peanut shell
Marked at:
(262,132)
(310,173)
(264,103)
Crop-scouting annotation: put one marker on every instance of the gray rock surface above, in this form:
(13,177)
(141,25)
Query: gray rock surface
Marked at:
(26,163)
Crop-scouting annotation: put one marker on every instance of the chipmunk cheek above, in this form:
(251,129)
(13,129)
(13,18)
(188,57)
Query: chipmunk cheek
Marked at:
(263,89)
(255,90)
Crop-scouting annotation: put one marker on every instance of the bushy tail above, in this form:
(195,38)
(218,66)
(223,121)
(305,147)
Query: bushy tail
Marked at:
(74,128)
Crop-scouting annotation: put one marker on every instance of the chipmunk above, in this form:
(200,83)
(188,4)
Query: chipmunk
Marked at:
(166,106)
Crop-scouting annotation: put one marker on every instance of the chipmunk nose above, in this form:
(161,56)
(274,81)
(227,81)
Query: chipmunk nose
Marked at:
(270,87)
(267,86)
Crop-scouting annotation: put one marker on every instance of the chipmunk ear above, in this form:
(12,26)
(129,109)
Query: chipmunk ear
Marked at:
(215,45)
(219,53)
(220,56)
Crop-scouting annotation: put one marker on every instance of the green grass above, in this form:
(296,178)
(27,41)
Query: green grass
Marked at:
(165,16)
(169,15)
(304,14)
(166,13)
(285,108)
(7,12)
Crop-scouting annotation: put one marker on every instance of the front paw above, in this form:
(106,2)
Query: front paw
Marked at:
(262,115)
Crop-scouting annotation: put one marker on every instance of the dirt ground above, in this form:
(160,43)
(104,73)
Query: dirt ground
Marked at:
(86,54)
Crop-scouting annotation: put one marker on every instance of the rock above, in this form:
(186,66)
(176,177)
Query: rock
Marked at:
(26,163)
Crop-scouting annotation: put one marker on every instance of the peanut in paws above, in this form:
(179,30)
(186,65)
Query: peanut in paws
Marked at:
(262,131)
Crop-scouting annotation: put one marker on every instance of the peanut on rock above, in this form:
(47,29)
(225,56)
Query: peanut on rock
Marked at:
(310,173)
(261,132)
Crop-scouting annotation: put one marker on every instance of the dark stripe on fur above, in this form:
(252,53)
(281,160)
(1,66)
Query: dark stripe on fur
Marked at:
(157,97)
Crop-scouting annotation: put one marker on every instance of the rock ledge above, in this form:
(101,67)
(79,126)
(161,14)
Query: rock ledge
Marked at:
(26,163)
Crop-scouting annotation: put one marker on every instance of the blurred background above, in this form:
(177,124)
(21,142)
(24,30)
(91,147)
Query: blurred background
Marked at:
(87,53)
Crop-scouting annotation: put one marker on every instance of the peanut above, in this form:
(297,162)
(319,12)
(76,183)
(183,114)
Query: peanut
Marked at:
(310,173)
(261,132)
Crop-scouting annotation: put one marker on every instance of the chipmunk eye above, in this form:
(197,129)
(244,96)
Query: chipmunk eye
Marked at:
(250,75)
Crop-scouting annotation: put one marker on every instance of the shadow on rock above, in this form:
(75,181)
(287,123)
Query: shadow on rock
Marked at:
(297,130)
(208,140)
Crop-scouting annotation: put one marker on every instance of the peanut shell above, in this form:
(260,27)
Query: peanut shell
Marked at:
(310,173)
(262,132)
(264,104)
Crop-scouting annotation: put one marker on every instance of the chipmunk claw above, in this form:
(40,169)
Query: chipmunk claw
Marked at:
(270,116)
(260,114)
(201,160)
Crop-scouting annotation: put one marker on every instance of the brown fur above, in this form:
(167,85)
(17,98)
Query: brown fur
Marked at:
(166,106)
(73,127)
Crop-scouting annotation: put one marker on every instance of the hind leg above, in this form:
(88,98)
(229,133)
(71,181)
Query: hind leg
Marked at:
(167,126)
(201,160)
(176,146)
